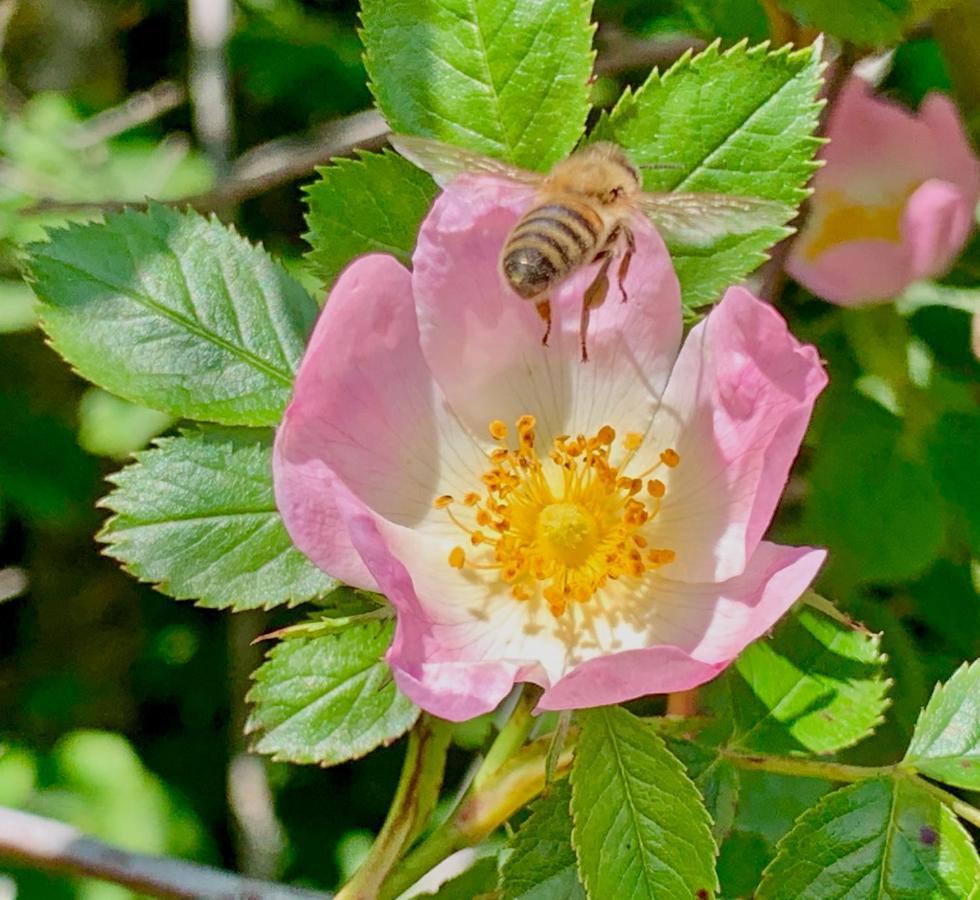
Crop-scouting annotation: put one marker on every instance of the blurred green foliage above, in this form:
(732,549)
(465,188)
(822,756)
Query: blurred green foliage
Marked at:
(887,480)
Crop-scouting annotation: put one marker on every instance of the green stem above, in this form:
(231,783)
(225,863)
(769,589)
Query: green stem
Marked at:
(415,799)
(512,786)
(511,737)
(805,768)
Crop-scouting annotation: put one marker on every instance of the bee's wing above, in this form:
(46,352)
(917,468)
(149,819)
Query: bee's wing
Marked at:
(700,219)
(445,161)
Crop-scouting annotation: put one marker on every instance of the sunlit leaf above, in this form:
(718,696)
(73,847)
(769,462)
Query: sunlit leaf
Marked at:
(509,80)
(175,312)
(879,839)
(373,204)
(817,685)
(739,122)
(641,830)
(196,516)
(946,741)
(328,699)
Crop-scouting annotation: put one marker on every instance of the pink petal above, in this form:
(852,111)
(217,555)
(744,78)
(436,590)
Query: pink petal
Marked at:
(484,342)
(715,623)
(365,412)
(854,273)
(954,159)
(936,223)
(737,405)
(437,657)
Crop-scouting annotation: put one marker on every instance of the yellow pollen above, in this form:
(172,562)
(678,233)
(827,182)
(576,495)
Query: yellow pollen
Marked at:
(559,527)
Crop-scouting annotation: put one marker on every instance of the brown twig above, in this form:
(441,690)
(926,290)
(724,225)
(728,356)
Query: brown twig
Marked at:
(135,110)
(53,846)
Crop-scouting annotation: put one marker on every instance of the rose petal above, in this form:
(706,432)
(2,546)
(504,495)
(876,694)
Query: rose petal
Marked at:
(484,343)
(366,411)
(935,225)
(737,405)
(854,273)
(719,621)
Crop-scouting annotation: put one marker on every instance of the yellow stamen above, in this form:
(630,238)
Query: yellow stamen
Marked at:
(564,525)
(443,501)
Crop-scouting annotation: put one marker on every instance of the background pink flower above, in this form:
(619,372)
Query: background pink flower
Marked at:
(593,528)
(895,201)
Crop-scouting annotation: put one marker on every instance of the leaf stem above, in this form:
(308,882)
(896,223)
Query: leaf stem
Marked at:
(805,768)
(415,799)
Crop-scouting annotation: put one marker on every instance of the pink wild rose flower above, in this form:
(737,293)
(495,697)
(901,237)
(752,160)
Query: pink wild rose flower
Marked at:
(894,202)
(595,528)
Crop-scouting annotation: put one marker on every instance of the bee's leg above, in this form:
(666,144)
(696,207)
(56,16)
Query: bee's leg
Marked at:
(594,296)
(544,310)
(624,265)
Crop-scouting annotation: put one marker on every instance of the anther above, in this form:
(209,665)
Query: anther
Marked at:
(498,430)
(526,423)
(656,488)
(670,458)
(443,501)
(471,499)
(633,440)
(457,557)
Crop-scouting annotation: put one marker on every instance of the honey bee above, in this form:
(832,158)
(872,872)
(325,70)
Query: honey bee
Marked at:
(582,213)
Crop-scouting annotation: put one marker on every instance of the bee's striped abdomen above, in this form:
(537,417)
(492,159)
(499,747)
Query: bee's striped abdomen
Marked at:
(548,243)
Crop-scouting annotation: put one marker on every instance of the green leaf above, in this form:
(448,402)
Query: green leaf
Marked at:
(196,516)
(946,741)
(479,880)
(373,204)
(739,122)
(816,686)
(867,23)
(541,865)
(176,312)
(716,779)
(506,79)
(641,830)
(741,861)
(881,838)
(328,699)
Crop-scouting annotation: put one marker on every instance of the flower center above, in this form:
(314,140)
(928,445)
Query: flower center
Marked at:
(567,533)
(844,221)
(561,527)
